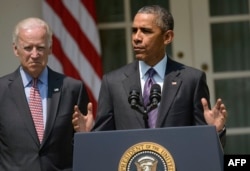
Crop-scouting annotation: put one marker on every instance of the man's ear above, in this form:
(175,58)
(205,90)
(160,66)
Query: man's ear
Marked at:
(14,47)
(168,37)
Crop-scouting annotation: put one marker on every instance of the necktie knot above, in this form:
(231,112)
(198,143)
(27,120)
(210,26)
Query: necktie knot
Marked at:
(151,72)
(34,82)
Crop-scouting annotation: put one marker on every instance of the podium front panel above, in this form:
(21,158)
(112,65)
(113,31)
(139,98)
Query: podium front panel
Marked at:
(193,148)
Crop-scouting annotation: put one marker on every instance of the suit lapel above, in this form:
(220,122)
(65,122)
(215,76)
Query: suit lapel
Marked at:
(132,79)
(18,95)
(54,93)
(171,85)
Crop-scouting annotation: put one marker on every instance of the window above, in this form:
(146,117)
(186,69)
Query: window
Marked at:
(114,23)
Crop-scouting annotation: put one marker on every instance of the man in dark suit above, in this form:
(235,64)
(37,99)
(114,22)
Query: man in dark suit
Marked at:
(185,95)
(20,147)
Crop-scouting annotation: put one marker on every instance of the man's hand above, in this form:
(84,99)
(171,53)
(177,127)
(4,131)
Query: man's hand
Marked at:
(83,123)
(217,116)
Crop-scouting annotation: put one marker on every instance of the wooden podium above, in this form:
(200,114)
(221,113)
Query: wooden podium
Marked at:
(194,148)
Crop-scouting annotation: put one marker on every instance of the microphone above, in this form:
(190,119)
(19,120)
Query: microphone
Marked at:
(155,96)
(134,101)
(134,97)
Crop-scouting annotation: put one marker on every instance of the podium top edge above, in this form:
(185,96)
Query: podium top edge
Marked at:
(205,127)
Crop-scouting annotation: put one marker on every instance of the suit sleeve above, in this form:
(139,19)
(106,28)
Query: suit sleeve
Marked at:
(83,99)
(201,91)
(105,110)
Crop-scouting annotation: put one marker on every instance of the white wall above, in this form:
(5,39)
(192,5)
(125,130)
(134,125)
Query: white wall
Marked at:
(12,11)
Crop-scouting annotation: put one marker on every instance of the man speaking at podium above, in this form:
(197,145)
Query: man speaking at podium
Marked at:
(126,99)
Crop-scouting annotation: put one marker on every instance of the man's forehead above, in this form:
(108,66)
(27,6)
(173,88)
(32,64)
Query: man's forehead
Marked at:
(144,20)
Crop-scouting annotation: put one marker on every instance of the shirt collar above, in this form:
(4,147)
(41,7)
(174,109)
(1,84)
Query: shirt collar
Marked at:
(26,78)
(160,67)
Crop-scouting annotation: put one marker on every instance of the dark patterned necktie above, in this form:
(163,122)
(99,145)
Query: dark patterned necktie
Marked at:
(152,115)
(35,104)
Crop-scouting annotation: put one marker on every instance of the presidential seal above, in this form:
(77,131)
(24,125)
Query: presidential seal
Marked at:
(146,156)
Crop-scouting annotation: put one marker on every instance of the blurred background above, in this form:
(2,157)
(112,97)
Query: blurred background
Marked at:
(211,35)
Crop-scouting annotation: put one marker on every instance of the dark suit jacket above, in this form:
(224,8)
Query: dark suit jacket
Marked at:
(20,149)
(180,104)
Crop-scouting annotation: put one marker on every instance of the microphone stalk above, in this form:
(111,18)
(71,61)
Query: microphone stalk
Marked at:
(154,98)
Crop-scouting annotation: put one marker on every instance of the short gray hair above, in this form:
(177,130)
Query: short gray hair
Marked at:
(29,23)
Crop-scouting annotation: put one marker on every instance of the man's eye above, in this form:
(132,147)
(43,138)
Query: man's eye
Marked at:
(28,48)
(134,30)
(40,48)
(146,31)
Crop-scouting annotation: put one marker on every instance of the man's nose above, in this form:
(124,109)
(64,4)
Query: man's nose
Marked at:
(137,35)
(34,52)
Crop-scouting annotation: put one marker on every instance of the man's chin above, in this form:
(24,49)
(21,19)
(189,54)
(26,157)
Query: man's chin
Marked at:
(139,57)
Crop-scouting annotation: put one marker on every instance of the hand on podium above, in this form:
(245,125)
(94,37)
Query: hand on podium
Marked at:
(83,123)
(217,115)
